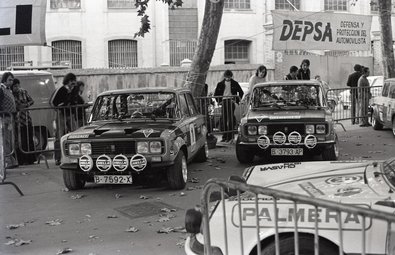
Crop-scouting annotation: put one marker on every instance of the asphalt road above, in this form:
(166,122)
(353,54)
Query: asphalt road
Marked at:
(95,220)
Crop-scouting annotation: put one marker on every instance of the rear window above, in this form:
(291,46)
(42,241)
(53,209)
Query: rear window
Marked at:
(39,87)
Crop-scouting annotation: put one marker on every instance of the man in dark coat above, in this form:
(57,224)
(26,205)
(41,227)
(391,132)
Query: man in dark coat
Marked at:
(230,94)
(352,82)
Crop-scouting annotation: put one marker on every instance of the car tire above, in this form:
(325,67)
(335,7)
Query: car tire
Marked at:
(73,180)
(177,174)
(332,152)
(306,246)
(243,155)
(393,126)
(202,154)
(376,123)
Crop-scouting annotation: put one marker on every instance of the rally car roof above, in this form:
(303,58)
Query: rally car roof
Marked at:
(144,90)
(26,72)
(288,82)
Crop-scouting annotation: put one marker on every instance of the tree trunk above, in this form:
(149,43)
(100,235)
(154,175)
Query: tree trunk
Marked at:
(387,48)
(196,78)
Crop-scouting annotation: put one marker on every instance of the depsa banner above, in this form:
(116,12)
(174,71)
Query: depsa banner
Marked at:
(22,22)
(296,30)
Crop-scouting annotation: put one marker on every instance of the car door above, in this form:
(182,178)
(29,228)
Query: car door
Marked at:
(381,103)
(388,104)
(198,123)
(188,129)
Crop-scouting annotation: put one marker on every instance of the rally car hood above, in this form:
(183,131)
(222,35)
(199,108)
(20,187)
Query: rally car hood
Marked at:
(286,114)
(327,180)
(124,129)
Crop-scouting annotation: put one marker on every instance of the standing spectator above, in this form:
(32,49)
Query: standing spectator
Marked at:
(78,112)
(304,71)
(293,73)
(61,98)
(7,105)
(324,84)
(231,93)
(258,77)
(364,88)
(24,127)
(352,82)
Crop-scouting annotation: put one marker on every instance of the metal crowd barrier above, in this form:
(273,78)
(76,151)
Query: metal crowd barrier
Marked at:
(222,113)
(352,103)
(276,198)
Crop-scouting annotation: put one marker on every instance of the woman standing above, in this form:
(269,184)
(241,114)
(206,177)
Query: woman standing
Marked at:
(258,77)
(304,71)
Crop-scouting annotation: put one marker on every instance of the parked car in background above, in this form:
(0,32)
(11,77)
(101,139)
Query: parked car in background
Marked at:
(287,118)
(234,220)
(144,133)
(40,86)
(383,107)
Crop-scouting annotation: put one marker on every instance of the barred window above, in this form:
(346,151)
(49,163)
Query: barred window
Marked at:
(70,4)
(180,50)
(68,50)
(9,54)
(122,53)
(237,4)
(285,5)
(336,5)
(115,4)
(237,52)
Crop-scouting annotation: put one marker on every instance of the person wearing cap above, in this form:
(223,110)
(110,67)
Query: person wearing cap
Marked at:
(352,82)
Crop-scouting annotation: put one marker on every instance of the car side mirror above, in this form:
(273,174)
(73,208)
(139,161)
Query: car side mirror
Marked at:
(233,192)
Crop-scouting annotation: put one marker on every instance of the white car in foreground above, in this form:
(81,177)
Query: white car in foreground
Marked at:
(368,185)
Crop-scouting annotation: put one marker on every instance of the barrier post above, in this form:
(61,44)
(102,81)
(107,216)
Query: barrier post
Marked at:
(2,162)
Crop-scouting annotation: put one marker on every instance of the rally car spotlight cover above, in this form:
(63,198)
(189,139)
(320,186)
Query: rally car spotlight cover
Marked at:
(136,136)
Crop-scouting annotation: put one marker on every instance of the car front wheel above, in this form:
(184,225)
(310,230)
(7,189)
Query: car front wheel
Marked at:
(177,174)
(375,123)
(73,180)
(306,246)
(202,154)
(244,155)
(332,152)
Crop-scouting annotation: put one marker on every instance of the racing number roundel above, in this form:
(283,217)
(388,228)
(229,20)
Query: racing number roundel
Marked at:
(138,162)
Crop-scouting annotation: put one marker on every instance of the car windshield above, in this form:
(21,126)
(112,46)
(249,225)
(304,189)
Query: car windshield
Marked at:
(389,170)
(284,95)
(134,106)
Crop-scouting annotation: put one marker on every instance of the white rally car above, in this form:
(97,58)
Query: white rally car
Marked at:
(365,184)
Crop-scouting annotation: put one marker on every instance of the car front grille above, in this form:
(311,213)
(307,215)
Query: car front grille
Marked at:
(113,147)
(285,128)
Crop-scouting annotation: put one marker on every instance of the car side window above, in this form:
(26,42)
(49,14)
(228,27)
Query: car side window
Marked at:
(184,105)
(385,89)
(191,104)
(392,91)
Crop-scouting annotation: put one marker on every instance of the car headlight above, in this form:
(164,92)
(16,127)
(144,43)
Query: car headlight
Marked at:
(252,130)
(142,147)
(155,147)
(74,149)
(86,149)
(320,129)
(262,130)
(309,129)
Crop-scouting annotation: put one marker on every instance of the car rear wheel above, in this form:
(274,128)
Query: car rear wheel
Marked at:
(244,155)
(177,174)
(202,154)
(73,180)
(375,123)
(332,152)
(306,246)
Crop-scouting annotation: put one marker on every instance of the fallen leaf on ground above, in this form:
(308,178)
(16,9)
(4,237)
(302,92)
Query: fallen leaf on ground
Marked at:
(167,210)
(15,226)
(165,230)
(163,219)
(77,196)
(22,242)
(54,222)
(112,216)
(180,229)
(194,180)
(182,194)
(118,196)
(64,251)
(132,229)
(144,197)
(11,242)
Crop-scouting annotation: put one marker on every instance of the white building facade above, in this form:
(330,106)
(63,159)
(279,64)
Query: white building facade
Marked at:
(100,33)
